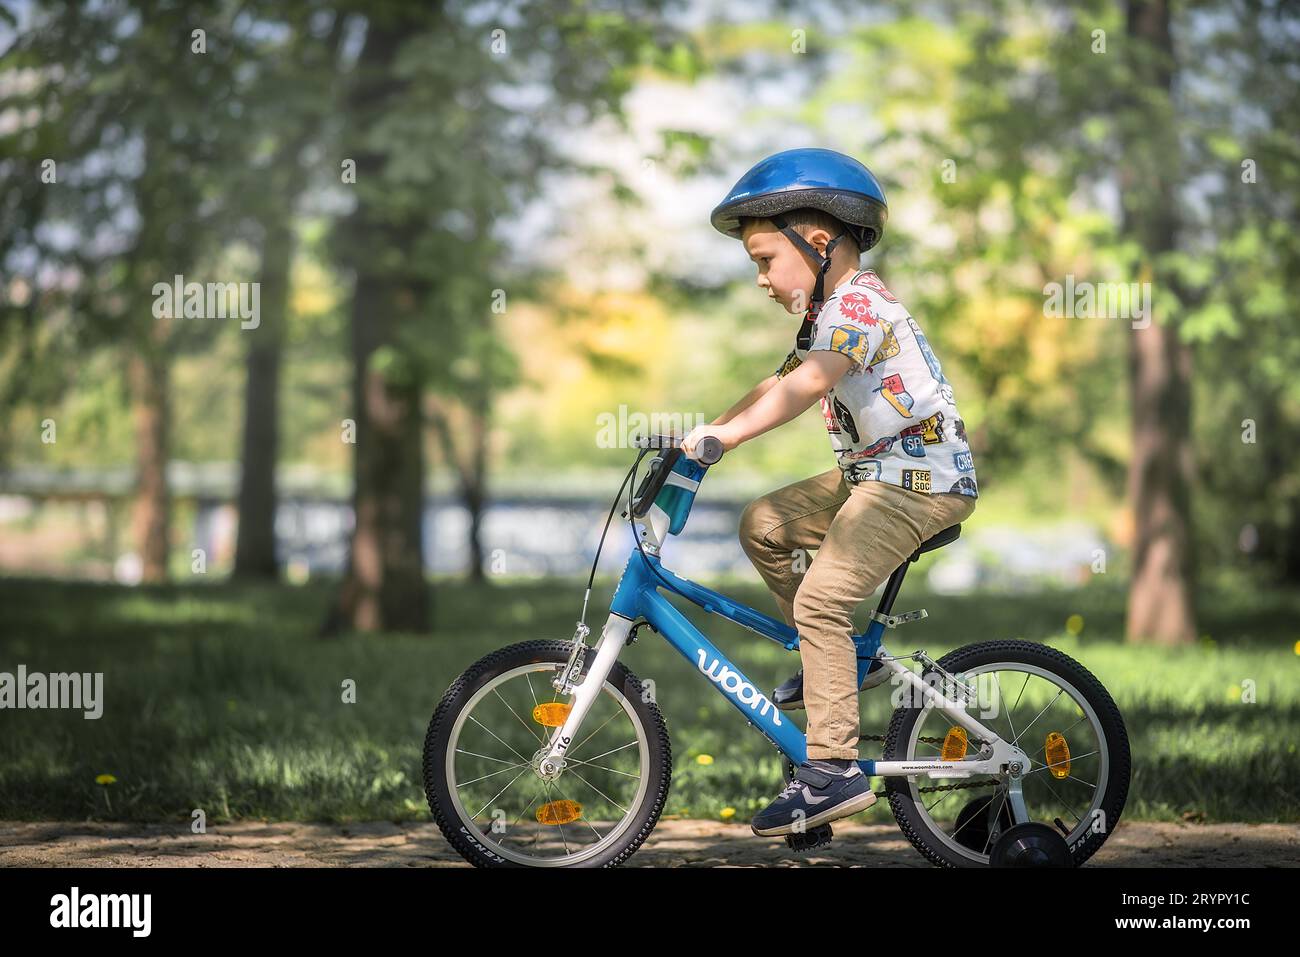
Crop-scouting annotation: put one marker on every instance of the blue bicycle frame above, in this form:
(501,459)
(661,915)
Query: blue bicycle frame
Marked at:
(637,598)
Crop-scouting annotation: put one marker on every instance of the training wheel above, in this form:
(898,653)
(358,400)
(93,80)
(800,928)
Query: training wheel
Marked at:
(1030,845)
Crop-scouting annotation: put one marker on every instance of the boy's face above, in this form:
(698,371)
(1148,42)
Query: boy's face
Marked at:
(783,271)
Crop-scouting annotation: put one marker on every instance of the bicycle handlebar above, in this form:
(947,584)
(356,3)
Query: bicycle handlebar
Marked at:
(707,451)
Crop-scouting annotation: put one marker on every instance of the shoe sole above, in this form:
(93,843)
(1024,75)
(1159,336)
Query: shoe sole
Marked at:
(847,809)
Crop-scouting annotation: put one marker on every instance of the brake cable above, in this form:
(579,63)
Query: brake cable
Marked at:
(582,620)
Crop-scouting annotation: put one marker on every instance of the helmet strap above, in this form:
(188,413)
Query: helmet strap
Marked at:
(803,339)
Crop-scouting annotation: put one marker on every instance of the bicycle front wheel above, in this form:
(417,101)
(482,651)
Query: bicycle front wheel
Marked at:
(480,765)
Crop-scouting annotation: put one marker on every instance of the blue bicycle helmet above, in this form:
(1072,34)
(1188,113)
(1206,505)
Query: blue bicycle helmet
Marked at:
(813,178)
(816,178)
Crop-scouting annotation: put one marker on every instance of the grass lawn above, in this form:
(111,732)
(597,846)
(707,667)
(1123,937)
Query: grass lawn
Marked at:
(220,697)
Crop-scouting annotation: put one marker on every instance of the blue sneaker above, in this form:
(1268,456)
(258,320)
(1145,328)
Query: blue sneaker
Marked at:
(788,695)
(817,795)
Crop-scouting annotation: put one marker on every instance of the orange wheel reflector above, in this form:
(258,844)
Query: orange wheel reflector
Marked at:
(559,812)
(552,714)
(954,744)
(1058,755)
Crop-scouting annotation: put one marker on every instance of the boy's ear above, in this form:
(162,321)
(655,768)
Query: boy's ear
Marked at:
(819,238)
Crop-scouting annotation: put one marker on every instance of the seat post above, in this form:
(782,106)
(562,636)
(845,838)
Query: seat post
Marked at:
(891,589)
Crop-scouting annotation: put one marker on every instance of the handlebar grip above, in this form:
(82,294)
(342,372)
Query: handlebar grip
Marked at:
(708,450)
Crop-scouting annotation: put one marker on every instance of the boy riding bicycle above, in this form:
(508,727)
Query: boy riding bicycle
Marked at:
(904,469)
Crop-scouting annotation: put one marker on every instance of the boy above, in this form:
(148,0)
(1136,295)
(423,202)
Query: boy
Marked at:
(904,469)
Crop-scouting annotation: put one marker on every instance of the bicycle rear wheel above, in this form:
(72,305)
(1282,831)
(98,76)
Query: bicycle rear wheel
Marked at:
(1058,713)
(480,765)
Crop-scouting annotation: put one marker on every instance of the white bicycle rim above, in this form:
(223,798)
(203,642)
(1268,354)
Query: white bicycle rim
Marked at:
(615,833)
(1103,767)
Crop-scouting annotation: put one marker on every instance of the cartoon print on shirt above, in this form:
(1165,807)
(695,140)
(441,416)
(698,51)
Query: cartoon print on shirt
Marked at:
(857,306)
(852,342)
(889,348)
(792,362)
(832,423)
(863,472)
(873,282)
(878,447)
(931,360)
(964,486)
(894,392)
(918,480)
(928,450)
(929,429)
(846,420)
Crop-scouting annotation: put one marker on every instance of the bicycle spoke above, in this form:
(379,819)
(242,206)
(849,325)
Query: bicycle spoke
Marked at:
(486,757)
(997,816)
(583,818)
(630,744)
(530,804)
(1076,757)
(499,793)
(588,764)
(527,726)
(946,795)
(1062,800)
(973,817)
(1059,692)
(486,776)
(599,791)
(529,678)
(495,735)
(1012,709)
(590,736)
(1043,746)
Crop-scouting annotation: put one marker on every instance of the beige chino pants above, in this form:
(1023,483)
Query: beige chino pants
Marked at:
(862,532)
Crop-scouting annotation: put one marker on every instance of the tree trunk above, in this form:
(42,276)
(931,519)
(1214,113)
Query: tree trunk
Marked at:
(255,545)
(149,378)
(475,492)
(1160,607)
(384,588)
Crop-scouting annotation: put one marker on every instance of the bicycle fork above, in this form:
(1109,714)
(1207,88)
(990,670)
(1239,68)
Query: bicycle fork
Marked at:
(549,760)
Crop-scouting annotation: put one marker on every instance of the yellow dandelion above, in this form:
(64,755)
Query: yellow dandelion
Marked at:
(727,813)
(1074,624)
(704,759)
(105,779)
(1297,648)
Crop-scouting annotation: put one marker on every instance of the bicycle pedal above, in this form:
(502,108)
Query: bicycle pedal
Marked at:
(819,836)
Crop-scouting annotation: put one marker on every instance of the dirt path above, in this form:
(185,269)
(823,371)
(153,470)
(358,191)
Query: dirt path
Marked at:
(674,843)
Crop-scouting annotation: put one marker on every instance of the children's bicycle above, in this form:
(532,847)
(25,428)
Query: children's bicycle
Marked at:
(550,753)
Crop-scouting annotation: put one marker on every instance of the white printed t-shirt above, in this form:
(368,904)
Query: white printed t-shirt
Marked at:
(892,417)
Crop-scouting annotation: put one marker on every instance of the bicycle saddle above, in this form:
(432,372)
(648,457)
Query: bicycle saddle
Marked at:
(945,537)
